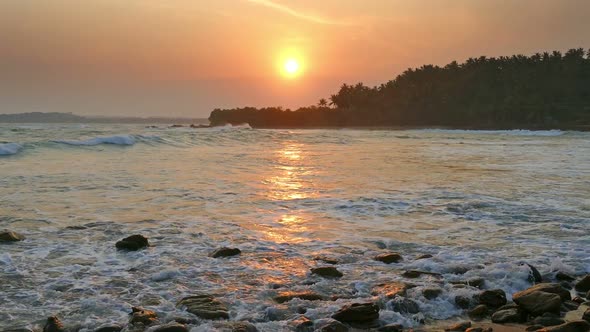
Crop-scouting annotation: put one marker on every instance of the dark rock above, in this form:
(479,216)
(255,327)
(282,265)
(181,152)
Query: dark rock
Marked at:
(533,328)
(462,301)
(9,236)
(578,300)
(404,305)
(329,325)
(586,315)
(239,327)
(389,258)
(534,275)
(493,298)
(511,305)
(415,274)
(584,284)
(391,328)
(569,305)
(204,306)
(142,316)
(301,324)
(288,296)
(459,270)
(133,242)
(432,293)
(588,295)
(327,272)
(170,327)
(564,277)
(461,326)
(475,282)
(576,326)
(424,256)
(548,319)
(225,252)
(357,313)
(565,285)
(53,324)
(18,329)
(327,260)
(508,316)
(391,289)
(476,329)
(109,328)
(547,288)
(479,312)
(538,303)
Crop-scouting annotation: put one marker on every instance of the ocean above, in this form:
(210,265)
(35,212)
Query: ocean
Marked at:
(484,204)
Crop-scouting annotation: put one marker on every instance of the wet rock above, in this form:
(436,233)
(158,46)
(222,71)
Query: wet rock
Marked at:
(462,301)
(404,305)
(586,315)
(329,325)
(389,258)
(432,293)
(416,274)
(204,306)
(533,328)
(18,329)
(584,284)
(552,288)
(569,306)
(588,295)
(561,276)
(53,324)
(237,327)
(512,315)
(538,303)
(494,298)
(142,316)
(133,243)
(479,312)
(109,328)
(301,324)
(548,319)
(459,269)
(565,285)
(170,327)
(475,282)
(288,296)
(461,326)
(478,329)
(327,272)
(424,256)
(225,252)
(391,328)
(391,289)
(357,313)
(9,236)
(578,300)
(576,326)
(534,275)
(327,260)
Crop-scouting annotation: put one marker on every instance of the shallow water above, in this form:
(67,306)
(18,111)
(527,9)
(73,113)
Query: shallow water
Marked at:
(487,201)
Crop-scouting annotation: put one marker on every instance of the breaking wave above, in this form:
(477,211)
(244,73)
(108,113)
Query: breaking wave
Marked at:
(8,149)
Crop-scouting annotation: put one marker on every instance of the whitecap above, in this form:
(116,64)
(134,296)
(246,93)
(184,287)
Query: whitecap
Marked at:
(115,140)
(7,149)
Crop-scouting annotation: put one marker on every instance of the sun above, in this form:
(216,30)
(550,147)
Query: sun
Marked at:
(291,67)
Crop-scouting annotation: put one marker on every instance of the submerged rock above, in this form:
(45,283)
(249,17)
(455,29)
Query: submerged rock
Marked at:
(225,252)
(236,327)
(327,260)
(462,301)
(301,324)
(10,236)
(133,243)
(432,293)
(391,289)
(424,256)
(389,258)
(329,325)
(561,276)
(170,327)
(415,274)
(538,303)
(327,272)
(404,305)
(552,288)
(288,296)
(493,298)
(475,282)
(204,306)
(391,328)
(142,316)
(109,328)
(53,324)
(584,284)
(461,326)
(357,313)
(576,326)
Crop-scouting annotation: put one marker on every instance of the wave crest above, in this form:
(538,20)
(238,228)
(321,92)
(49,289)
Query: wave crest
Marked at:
(115,140)
(8,149)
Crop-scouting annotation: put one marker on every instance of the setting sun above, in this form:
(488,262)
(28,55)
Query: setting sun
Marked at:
(291,68)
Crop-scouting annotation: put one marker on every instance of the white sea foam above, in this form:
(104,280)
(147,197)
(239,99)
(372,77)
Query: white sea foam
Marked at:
(115,140)
(7,149)
(514,132)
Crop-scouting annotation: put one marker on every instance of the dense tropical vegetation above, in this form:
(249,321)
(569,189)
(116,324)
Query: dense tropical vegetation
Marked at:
(548,90)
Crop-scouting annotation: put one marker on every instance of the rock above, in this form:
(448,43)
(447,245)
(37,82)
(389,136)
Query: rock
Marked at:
(238,327)
(391,328)
(301,324)
(132,243)
(569,305)
(9,236)
(391,289)
(109,328)
(327,272)
(326,259)
(548,319)
(142,316)
(415,274)
(586,315)
(575,326)
(288,296)
(538,302)
(357,313)
(329,325)
(479,312)
(462,301)
(547,288)
(204,306)
(170,327)
(533,328)
(424,256)
(584,284)
(578,300)
(461,326)
(475,329)
(508,316)
(432,293)
(565,285)
(561,276)
(475,282)
(389,258)
(534,275)
(53,324)
(225,252)
(403,305)
(588,295)
(493,298)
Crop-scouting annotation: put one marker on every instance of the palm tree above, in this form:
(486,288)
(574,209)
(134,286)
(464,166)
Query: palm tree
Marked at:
(323,102)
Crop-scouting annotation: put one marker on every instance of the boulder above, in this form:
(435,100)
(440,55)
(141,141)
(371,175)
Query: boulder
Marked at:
(462,301)
(53,324)
(357,313)
(170,327)
(389,258)
(329,325)
(9,236)
(391,289)
(237,327)
(479,312)
(404,305)
(301,324)
(142,316)
(584,284)
(225,252)
(494,298)
(548,319)
(416,274)
(575,326)
(569,305)
(204,306)
(586,315)
(288,296)
(391,328)
(547,288)
(538,302)
(432,293)
(327,272)
(534,275)
(512,315)
(109,328)
(461,326)
(424,256)
(133,243)
(561,276)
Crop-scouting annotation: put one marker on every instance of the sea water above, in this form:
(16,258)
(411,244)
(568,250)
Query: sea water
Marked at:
(483,203)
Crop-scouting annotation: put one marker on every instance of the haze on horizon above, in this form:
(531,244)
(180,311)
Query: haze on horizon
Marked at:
(184,58)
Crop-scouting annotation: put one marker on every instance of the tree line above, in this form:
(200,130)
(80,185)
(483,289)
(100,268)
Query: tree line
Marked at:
(545,90)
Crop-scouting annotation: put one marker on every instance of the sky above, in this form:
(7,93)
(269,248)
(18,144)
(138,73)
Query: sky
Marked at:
(187,57)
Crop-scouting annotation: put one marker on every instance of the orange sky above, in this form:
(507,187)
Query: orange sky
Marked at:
(185,57)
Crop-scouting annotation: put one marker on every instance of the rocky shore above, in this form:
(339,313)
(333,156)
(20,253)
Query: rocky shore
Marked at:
(555,301)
